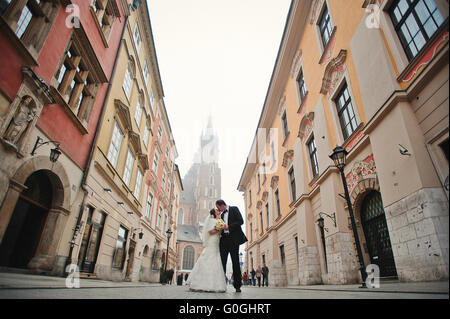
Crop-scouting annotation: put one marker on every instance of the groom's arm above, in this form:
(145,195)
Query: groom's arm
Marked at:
(237,221)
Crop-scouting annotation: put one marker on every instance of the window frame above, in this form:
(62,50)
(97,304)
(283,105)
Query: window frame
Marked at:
(341,109)
(411,11)
(114,159)
(314,161)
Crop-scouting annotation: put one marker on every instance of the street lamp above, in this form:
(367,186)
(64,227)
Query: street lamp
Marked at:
(339,157)
(54,152)
(168,233)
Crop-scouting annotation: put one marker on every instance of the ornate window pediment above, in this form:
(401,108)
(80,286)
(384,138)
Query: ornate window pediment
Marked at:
(306,125)
(123,113)
(333,73)
(287,158)
(274,181)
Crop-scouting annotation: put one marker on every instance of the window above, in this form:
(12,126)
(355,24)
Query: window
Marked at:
(313,156)
(326,27)
(188,257)
(163,182)
(102,10)
(158,224)
(251,232)
(128,82)
(128,167)
(114,146)
(250,197)
(152,98)
(292,184)
(148,209)
(277,199)
(146,72)
(76,84)
(301,86)
(137,38)
(159,133)
(285,125)
(211,180)
(415,22)
(259,182)
(119,252)
(267,214)
(262,222)
(146,135)
(346,113)
(137,187)
(138,113)
(155,163)
(180,216)
(282,255)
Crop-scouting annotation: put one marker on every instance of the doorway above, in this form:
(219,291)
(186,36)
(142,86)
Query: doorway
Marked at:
(27,222)
(377,234)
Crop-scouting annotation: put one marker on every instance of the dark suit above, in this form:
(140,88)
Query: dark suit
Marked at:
(229,243)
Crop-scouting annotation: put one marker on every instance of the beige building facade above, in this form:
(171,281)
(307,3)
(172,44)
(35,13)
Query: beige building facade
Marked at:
(131,192)
(372,77)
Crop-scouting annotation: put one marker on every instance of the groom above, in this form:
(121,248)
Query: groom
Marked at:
(230,239)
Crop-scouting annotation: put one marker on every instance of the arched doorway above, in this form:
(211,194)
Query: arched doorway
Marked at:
(376,232)
(24,230)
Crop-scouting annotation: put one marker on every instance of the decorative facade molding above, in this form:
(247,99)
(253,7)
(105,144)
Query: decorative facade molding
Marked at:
(313,15)
(287,158)
(282,105)
(361,170)
(333,72)
(274,181)
(306,125)
(296,63)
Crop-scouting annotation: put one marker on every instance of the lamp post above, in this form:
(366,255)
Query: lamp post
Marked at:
(168,233)
(339,157)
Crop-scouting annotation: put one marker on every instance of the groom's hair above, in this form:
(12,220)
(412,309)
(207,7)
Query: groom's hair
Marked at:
(220,202)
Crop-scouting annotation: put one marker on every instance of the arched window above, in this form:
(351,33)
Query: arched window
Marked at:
(188,257)
(180,216)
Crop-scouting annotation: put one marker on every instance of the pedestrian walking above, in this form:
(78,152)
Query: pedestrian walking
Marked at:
(245,278)
(258,275)
(253,273)
(170,276)
(186,277)
(265,275)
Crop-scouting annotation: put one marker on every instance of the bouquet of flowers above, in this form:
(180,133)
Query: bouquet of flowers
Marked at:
(219,224)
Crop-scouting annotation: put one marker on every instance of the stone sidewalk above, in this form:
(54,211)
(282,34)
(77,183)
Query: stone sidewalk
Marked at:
(9,280)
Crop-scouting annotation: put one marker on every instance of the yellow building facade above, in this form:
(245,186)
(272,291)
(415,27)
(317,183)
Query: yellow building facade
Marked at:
(130,192)
(372,77)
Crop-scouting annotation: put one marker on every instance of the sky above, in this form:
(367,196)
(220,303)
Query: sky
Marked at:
(216,58)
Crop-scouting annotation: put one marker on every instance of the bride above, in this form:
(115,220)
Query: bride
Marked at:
(207,274)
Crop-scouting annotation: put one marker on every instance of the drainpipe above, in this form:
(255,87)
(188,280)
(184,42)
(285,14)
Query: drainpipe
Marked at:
(91,153)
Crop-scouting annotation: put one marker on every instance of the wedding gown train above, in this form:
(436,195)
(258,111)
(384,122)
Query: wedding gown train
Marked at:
(207,274)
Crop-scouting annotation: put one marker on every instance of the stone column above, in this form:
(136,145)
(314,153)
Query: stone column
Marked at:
(45,256)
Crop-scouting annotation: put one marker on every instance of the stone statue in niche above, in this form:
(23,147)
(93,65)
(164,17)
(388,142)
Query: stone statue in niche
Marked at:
(25,114)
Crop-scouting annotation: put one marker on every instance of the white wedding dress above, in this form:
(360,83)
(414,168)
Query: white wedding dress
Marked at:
(207,274)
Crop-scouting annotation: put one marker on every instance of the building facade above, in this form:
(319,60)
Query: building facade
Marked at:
(133,182)
(376,83)
(57,59)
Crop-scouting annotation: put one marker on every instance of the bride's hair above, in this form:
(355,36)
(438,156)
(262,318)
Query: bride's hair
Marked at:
(212,212)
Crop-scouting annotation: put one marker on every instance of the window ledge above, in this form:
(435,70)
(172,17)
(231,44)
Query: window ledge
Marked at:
(412,70)
(66,108)
(25,54)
